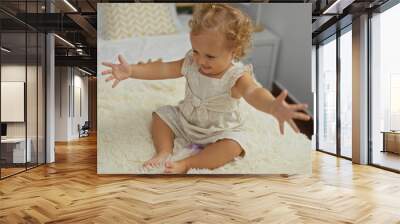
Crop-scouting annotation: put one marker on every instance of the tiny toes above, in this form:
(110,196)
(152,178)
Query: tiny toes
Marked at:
(167,171)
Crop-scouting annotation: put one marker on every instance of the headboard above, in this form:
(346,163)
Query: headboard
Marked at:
(184,8)
(249,8)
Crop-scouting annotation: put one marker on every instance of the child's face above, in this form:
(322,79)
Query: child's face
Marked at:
(211,52)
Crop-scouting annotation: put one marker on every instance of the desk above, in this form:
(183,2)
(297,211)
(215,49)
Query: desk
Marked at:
(391,141)
(16,147)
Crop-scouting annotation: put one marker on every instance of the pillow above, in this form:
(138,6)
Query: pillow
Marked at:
(184,22)
(175,17)
(122,21)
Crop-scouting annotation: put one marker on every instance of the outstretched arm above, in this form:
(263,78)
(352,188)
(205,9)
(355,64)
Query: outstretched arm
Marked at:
(149,71)
(263,100)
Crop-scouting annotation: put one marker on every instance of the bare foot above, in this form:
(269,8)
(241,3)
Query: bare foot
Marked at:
(176,167)
(156,160)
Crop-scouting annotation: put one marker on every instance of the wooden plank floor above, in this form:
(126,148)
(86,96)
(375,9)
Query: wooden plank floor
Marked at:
(70,191)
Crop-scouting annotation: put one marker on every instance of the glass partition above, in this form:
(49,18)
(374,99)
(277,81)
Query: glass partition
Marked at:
(22,77)
(31,100)
(14,152)
(41,111)
(346,93)
(327,95)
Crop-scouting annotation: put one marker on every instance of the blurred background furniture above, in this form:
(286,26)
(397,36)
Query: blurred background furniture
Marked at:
(13,150)
(84,130)
(391,141)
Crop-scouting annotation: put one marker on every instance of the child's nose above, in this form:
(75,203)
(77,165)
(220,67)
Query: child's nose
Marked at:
(202,61)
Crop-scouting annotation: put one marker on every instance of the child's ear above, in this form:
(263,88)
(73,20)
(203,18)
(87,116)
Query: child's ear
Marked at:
(233,55)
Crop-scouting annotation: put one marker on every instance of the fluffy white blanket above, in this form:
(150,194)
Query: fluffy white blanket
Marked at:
(124,140)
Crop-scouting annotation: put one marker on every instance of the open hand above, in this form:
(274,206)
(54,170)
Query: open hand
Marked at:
(118,72)
(287,112)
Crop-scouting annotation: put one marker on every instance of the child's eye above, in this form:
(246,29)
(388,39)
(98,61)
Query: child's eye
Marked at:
(210,57)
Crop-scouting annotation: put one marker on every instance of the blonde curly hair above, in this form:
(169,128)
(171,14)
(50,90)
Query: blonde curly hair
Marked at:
(236,25)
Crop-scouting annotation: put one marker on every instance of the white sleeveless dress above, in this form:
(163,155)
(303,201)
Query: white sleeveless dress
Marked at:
(208,113)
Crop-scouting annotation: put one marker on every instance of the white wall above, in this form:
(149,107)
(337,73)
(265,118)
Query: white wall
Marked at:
(62,80)
(15,72)
(80,83)
(68,81)
(292,23)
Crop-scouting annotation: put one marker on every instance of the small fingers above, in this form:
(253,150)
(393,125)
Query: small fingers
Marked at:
(282,96)
(108,64)
(301,116)
(298,106)
(116,82)
(110,78)
(122,60)
(293,125)
(281,127)
(105,72)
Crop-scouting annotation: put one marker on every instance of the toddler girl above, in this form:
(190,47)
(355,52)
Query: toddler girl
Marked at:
(208,117)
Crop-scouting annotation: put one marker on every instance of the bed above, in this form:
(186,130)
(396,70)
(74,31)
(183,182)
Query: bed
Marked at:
(124,115)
